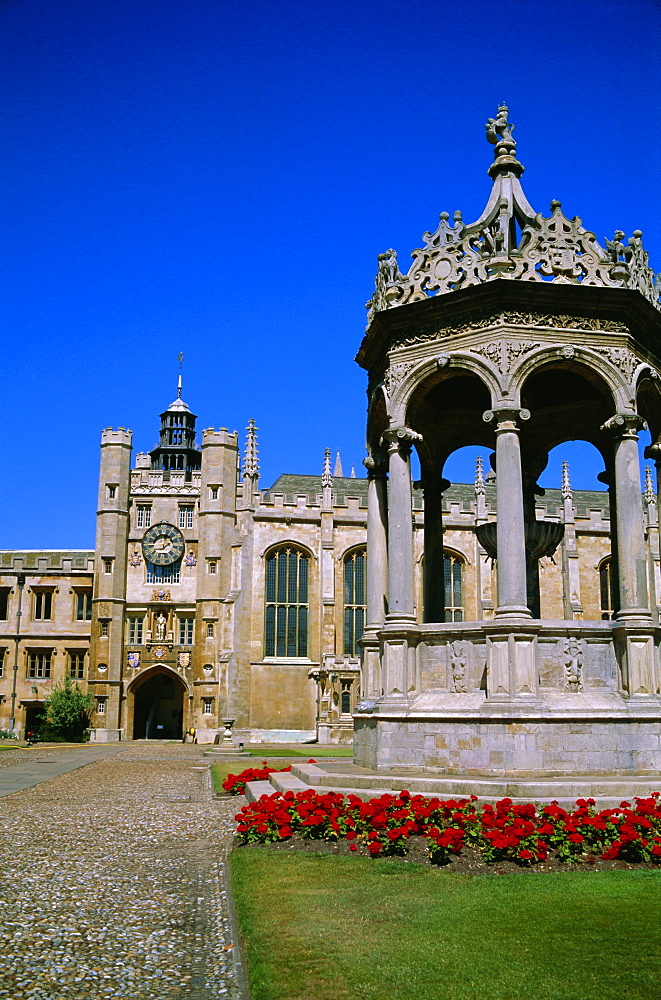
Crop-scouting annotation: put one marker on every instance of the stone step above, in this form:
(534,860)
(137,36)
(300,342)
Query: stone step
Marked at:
(607,790)
(287,781)
(255,790)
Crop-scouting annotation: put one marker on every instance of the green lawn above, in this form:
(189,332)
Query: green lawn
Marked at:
(319,927)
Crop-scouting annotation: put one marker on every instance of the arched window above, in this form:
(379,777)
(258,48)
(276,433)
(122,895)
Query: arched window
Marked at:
(454,596)
(354,600)
(286,620)
(605,592)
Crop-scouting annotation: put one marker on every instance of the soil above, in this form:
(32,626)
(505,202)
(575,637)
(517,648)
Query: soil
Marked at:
(469,862)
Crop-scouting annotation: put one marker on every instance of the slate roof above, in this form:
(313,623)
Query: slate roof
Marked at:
(291,486)
(53,557)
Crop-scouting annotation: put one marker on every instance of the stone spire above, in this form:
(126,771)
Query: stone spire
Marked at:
(326,480)
(353,471)
(480,486)
(326,477)
(650,496)
(480,492)
(338,466)
(250,464)
(567,495)
(251,459)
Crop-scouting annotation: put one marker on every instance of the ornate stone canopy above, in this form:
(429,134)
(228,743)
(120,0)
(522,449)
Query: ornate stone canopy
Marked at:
(512,241)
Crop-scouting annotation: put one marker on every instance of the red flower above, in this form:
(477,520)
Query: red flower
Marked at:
(374,847)
(352,847)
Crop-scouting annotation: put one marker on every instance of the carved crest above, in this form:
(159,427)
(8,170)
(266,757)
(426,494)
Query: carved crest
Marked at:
(395,375)
(459,653)
(134,660)
(572,659)
(622,358)
(503,353)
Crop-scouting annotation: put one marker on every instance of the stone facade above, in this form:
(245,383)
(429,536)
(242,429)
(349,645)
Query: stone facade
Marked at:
(219,666)
(45,627)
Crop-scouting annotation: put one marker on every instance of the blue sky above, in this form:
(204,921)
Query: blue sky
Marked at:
(218,178)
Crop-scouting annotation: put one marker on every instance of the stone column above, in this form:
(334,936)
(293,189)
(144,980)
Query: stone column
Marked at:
(433,584)
(632,564)
(511,548)
(634,638)
(398,678)
(401,602)
(377,575)
(571,584)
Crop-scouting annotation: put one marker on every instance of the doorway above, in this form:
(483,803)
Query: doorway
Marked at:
(158,709)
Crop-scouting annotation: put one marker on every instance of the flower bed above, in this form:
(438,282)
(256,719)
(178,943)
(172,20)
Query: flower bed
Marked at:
(235,784)
(507,831)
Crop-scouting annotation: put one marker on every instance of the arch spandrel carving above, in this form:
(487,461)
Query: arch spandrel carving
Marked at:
(427,373)
(583,361)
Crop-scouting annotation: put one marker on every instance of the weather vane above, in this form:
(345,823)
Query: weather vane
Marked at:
(180,359)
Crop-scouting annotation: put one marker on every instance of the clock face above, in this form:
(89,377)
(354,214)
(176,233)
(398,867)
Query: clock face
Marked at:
(163,544)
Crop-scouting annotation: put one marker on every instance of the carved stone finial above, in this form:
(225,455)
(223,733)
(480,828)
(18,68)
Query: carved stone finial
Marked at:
(326,477)
(566,485)
(480,486)
(337,471)
(650,495)
(499,133)
(251,460)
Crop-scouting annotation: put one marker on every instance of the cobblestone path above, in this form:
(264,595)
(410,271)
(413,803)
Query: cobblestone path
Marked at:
(113,882)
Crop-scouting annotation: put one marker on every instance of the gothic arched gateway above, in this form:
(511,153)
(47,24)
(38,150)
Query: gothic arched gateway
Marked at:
(157,705)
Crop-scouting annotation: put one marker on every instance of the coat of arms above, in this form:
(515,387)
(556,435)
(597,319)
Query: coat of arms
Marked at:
(184,659)
(135,558)
(134,659)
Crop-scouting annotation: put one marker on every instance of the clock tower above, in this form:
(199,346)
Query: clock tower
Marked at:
(165,529)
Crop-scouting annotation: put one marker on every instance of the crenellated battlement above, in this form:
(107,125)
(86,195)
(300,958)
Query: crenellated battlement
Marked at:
(117,436)
(222,436)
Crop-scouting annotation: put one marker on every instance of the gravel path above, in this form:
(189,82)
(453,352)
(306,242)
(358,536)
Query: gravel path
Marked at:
(113,882)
